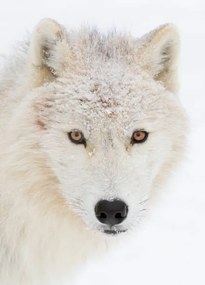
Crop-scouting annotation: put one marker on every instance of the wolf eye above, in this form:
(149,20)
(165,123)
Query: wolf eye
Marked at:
(139,137)
(77,137)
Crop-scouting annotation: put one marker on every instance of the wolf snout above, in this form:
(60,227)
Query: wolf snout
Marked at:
(111,212)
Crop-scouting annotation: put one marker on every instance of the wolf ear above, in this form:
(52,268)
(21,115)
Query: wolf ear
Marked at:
(158,54)
(47,48)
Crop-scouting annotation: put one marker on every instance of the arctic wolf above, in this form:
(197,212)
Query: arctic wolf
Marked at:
(90,127)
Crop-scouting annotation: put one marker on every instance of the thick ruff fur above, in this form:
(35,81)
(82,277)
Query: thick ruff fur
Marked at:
(107,86)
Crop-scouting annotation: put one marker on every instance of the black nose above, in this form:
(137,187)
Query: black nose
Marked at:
(111,212)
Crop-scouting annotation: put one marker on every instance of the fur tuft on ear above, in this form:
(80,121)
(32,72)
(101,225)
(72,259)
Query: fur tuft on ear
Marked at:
(48,45)
(158,54)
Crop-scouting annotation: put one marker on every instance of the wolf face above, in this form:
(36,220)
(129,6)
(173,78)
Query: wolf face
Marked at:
(108,124)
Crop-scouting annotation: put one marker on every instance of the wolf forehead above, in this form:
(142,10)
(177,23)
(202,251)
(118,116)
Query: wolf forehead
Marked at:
(110,97)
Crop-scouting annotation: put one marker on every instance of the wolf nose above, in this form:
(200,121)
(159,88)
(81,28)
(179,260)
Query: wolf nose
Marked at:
(111,212)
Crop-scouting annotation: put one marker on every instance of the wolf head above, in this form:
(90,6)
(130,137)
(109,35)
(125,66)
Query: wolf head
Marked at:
(108,122)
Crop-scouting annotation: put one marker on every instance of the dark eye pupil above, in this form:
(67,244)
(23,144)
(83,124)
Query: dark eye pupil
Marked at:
(77,135)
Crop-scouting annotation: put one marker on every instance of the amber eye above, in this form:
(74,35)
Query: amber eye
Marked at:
(139,137)
(77,137)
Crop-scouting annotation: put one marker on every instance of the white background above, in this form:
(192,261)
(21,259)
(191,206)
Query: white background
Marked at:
(169,249)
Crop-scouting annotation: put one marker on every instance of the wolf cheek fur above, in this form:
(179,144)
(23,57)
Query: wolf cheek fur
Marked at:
(106,89)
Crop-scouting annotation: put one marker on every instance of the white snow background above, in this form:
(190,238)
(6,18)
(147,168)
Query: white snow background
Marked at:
(169,249)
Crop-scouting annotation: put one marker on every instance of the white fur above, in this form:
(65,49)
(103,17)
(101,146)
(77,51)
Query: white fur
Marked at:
(107,86)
